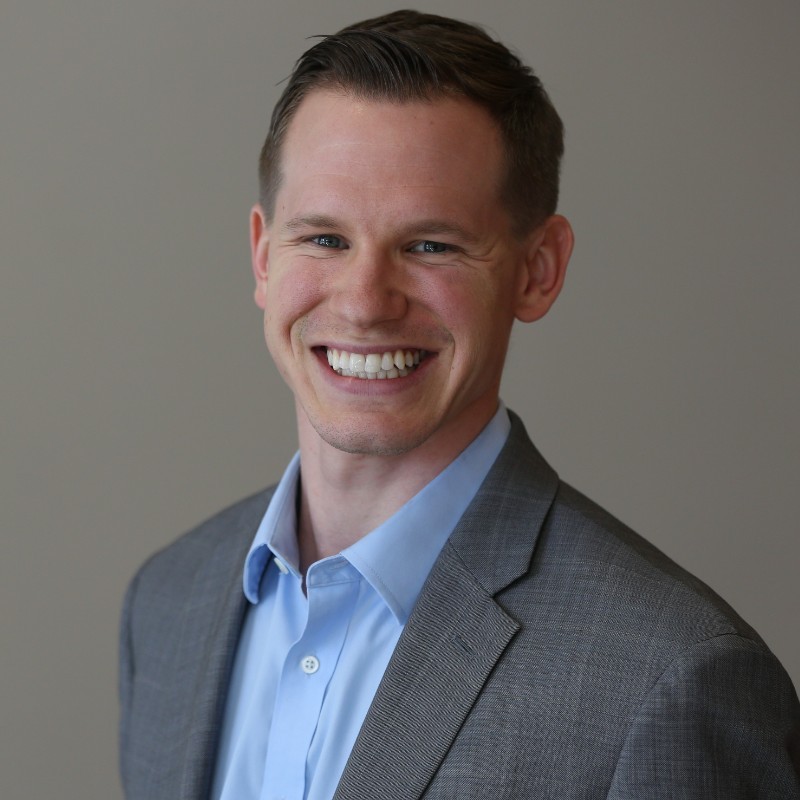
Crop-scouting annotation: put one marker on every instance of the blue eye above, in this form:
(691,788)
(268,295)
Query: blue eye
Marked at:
(427,246)
(327,240)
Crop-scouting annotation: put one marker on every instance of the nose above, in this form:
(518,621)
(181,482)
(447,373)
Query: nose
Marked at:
(368,289)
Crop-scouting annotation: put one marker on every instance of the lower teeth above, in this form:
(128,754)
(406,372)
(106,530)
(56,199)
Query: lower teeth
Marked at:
(381,374)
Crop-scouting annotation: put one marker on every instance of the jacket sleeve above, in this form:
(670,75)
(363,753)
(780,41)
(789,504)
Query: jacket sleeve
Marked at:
(721,723)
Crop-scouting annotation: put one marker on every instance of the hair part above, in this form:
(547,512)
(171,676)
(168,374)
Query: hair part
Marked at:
(408,56)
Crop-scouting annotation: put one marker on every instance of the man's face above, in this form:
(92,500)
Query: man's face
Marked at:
(388,243)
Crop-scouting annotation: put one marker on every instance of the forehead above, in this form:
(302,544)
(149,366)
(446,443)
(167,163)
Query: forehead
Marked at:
(364,145)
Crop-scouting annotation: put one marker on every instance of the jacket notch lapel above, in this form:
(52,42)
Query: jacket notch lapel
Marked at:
(454,638)
(457,632)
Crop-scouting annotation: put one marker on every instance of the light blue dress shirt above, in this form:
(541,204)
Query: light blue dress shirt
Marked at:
(308,665)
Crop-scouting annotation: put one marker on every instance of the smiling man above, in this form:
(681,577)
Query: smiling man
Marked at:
(421,607)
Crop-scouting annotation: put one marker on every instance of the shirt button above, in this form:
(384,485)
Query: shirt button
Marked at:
(281,566)
(309,665)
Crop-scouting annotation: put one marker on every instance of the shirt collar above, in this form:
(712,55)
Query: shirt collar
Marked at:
(396,557)
(277,533)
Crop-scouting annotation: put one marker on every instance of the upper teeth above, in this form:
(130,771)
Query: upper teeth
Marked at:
(374,365)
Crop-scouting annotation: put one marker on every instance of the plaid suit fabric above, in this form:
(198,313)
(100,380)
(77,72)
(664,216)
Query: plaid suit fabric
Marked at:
(553,653)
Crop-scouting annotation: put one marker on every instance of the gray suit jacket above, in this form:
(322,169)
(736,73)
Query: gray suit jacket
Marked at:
(553,653)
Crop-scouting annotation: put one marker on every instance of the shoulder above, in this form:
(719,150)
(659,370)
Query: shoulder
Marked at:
(599,598)
(602,608)
(591,596)
(538,545)
(667,676)
(603,563)
(171,571)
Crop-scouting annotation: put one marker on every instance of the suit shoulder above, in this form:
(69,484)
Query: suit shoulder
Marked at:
(618,568)
(232,527)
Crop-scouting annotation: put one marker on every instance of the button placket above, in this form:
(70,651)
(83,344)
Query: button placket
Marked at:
(303,682)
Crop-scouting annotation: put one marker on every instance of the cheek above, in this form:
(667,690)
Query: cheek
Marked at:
(290,295)
(474,311)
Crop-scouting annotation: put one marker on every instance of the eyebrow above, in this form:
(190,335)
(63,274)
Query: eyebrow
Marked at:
(423,227)
(435,226)
(313,221)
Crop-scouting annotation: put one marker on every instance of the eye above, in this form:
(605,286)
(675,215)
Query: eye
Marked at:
(327,240)
(427,246)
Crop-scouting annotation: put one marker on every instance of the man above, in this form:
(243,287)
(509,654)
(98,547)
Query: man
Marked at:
(427,610)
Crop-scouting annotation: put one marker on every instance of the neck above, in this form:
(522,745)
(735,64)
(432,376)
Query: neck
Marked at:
(344,496)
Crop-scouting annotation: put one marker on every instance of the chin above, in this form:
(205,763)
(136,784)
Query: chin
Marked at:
(383,442)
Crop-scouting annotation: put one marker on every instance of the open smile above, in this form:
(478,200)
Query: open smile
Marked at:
(389,364)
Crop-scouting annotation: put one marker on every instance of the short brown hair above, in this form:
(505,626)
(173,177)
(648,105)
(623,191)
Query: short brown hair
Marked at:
(408,56)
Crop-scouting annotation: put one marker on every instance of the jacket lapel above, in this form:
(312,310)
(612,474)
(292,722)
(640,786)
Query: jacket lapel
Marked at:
(456,633)
(451,643)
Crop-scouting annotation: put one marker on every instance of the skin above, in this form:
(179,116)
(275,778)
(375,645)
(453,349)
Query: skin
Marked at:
(388,233)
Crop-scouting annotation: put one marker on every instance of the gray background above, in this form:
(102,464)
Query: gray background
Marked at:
(137,394)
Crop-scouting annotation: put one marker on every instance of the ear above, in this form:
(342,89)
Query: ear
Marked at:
(259,252)
(548,250)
